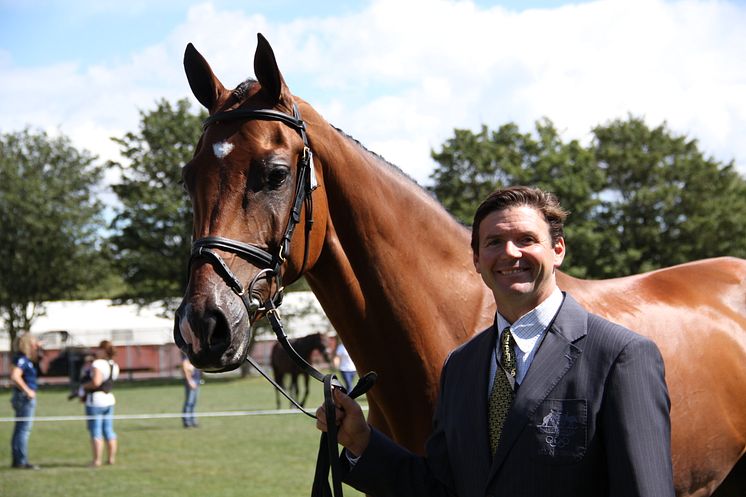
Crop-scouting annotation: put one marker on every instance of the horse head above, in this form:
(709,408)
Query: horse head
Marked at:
(250,182)
(324,347)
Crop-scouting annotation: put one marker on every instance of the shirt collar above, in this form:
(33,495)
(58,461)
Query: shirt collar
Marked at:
(527,329)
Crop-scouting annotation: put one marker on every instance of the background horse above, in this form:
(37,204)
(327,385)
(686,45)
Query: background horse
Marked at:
(394,274)
(283,365)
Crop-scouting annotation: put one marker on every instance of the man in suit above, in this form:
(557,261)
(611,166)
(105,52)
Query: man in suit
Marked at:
(549,401)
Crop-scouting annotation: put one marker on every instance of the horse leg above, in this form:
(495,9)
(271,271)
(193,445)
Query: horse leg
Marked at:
(278,380)
(294,387)
(305,394)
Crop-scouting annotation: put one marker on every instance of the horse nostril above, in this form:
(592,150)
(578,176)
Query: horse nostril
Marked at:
(215,331)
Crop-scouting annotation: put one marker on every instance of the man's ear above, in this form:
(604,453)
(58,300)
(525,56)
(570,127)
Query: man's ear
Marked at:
(559,252)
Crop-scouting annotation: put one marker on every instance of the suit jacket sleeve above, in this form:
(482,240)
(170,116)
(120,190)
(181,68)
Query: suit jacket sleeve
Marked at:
(386,469)
(636,424)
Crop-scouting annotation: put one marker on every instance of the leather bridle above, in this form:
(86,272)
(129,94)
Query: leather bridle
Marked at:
(270,265)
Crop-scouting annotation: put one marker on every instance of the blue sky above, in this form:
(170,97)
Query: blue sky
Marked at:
(47,31)
(40,32)
(86,69)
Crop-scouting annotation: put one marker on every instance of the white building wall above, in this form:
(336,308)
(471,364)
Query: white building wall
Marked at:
(89,322)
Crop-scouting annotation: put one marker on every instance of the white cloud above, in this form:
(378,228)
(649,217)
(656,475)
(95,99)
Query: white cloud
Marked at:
(401,75)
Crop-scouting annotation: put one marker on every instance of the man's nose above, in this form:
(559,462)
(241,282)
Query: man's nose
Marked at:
(511,249)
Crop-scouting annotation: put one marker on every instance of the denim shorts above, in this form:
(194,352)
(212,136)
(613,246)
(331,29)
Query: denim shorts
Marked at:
(102,424)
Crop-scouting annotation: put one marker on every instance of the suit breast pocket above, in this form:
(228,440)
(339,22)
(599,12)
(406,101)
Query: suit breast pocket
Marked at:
(559,431)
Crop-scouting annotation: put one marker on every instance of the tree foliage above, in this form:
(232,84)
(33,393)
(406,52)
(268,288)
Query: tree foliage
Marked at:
(50,219)
(664,202)
(152,229)
(639,198)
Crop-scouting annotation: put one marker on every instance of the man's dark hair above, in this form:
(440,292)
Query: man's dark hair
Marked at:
(516,196)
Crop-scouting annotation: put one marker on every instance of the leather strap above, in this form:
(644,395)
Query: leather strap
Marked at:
(261,114)
(279,388)
(328,455)
(253,254)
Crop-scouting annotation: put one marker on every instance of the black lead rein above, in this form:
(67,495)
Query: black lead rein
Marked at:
(327,457)
(269,264)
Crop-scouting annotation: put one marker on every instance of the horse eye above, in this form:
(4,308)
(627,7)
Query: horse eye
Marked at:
(277,177)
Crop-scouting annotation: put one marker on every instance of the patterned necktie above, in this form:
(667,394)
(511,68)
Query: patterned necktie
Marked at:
(501,396)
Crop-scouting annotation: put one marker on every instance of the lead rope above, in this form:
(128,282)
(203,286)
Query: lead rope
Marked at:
(328,454)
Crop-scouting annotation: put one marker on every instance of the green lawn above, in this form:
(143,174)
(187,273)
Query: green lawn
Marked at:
(267,455)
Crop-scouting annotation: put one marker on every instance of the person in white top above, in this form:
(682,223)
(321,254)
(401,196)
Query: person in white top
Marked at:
(99,403)
(344,364)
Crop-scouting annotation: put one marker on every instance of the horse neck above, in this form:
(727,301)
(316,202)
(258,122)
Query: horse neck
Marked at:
(395,275)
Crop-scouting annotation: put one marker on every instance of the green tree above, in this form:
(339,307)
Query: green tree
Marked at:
(470,165)
(50,224)
(664,203)
(639,198)
(152,229)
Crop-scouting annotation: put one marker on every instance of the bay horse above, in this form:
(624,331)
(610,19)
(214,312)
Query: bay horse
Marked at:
(283,365)
(393,271)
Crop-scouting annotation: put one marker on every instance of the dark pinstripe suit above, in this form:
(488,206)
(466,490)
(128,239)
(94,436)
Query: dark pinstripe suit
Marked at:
(591,418)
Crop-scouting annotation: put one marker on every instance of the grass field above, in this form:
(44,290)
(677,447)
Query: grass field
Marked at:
(266,455)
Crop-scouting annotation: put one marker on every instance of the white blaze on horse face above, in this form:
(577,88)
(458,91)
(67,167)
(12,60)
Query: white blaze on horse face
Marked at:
(222,149)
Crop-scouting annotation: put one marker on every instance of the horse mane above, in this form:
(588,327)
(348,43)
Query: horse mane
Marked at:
(399,171)
(380,158)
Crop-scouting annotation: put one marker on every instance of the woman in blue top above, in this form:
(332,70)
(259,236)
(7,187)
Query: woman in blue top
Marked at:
(23,378)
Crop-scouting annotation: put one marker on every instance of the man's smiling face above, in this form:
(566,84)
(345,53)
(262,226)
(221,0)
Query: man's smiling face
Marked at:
(517,259)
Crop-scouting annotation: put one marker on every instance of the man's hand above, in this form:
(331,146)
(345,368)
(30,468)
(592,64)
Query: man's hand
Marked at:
(353,431)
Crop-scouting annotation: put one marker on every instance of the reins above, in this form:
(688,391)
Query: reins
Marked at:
(269,265)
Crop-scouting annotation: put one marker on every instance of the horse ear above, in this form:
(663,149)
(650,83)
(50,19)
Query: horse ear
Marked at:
(266,70)
(205,86)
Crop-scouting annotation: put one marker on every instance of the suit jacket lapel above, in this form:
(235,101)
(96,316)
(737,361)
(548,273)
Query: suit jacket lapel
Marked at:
(555,356)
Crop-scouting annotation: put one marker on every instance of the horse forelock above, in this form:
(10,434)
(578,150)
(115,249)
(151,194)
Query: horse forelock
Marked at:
(242,90)
(251,87)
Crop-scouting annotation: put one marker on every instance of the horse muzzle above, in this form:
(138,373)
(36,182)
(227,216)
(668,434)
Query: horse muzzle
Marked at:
(213,335)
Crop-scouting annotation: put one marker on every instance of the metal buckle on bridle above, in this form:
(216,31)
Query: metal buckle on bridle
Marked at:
(255,305)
